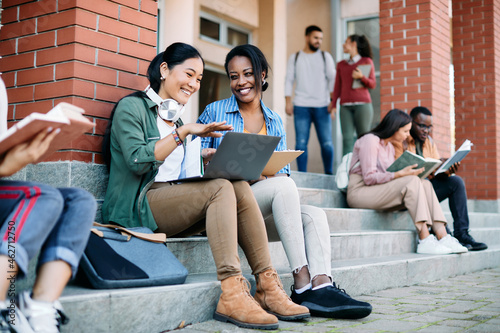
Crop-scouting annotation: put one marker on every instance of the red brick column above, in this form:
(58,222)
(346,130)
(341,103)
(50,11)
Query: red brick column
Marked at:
(415,59)
(86,52)
(476,58)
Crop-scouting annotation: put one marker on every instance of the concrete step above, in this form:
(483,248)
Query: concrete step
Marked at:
(314,180)
(355,233)
(322,197)
(351,219)
(195,254)
(478,220)
(156,309)
(347,219)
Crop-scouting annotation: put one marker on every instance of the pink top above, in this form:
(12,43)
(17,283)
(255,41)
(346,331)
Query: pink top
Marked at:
(376,155)
(343,83)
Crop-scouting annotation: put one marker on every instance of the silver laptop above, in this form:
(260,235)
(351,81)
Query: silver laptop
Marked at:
(240,156)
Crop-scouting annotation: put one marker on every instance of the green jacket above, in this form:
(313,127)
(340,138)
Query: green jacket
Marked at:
(134,133)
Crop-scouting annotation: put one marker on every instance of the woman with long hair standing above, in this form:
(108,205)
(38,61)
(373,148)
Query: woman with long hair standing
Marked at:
(351,86)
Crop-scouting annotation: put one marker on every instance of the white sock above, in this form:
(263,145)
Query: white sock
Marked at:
(322,286)
(305,288)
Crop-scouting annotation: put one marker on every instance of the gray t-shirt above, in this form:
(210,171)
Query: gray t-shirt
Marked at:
(313,82)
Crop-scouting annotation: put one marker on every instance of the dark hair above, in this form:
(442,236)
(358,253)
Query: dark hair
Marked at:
(312,28)
(174,55)
(391,123)
(257,58)
(418,110)
(363,45)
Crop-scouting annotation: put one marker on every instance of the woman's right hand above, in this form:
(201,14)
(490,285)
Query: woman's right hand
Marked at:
(408,171)
(204,130)
(27,152)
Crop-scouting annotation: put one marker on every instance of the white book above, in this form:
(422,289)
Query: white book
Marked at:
(68,117)
(456,157)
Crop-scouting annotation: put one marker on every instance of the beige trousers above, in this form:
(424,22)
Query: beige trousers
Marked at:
(228,212)
(410,192)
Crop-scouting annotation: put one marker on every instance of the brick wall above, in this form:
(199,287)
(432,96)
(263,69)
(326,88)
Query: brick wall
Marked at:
(476,57)
(86,52)
(415,59)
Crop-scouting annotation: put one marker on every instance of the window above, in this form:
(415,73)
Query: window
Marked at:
(214,87)
(222,32)
(209,28)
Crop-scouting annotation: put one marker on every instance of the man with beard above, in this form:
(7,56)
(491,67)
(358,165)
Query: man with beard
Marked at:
(446,185)
(313,72)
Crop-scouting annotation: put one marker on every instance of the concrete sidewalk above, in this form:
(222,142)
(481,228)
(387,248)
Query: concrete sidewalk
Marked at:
(466,303)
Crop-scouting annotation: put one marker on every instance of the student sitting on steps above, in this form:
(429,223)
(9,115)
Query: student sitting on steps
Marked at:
(36,218)
(303,229)
(147,148)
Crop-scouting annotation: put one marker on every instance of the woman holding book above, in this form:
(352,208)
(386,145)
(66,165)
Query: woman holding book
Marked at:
(37,219)
(146,146)
(371,186)
(303,229)
(351,86)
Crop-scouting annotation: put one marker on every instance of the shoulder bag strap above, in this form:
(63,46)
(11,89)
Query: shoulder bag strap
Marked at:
(156,237)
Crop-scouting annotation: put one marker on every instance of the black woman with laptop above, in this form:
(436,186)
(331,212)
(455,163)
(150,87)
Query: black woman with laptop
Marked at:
(302,229)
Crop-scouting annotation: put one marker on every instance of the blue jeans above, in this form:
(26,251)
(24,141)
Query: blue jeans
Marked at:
(37,217)
(453,188)
(303,117)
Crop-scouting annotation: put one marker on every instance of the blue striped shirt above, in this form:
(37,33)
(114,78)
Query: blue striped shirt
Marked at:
(228,110)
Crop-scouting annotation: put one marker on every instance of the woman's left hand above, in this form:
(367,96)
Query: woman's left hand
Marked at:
(357,74)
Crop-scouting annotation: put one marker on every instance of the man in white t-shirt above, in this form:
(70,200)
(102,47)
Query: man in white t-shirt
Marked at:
(313,72)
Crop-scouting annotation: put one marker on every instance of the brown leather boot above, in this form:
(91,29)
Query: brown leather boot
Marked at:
(237,306)
(271,296)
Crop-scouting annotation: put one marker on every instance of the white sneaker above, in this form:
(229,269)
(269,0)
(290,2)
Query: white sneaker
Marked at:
(43,317)
(453,244)
(430,245)
(5,319)
(13,320)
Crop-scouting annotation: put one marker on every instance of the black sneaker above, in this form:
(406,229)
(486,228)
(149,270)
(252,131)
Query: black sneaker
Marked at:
(332,302)
(466,240)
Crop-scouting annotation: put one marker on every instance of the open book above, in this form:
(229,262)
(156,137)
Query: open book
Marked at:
(278,160)
(409,158)
(365,69)
(456,157)
(68,117)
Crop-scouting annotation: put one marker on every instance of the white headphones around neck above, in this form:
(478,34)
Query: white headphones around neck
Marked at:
(168,109)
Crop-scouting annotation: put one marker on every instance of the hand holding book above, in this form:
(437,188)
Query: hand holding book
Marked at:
(455,158)
(409,159)
(69,118)
(27,152)
(410,170)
